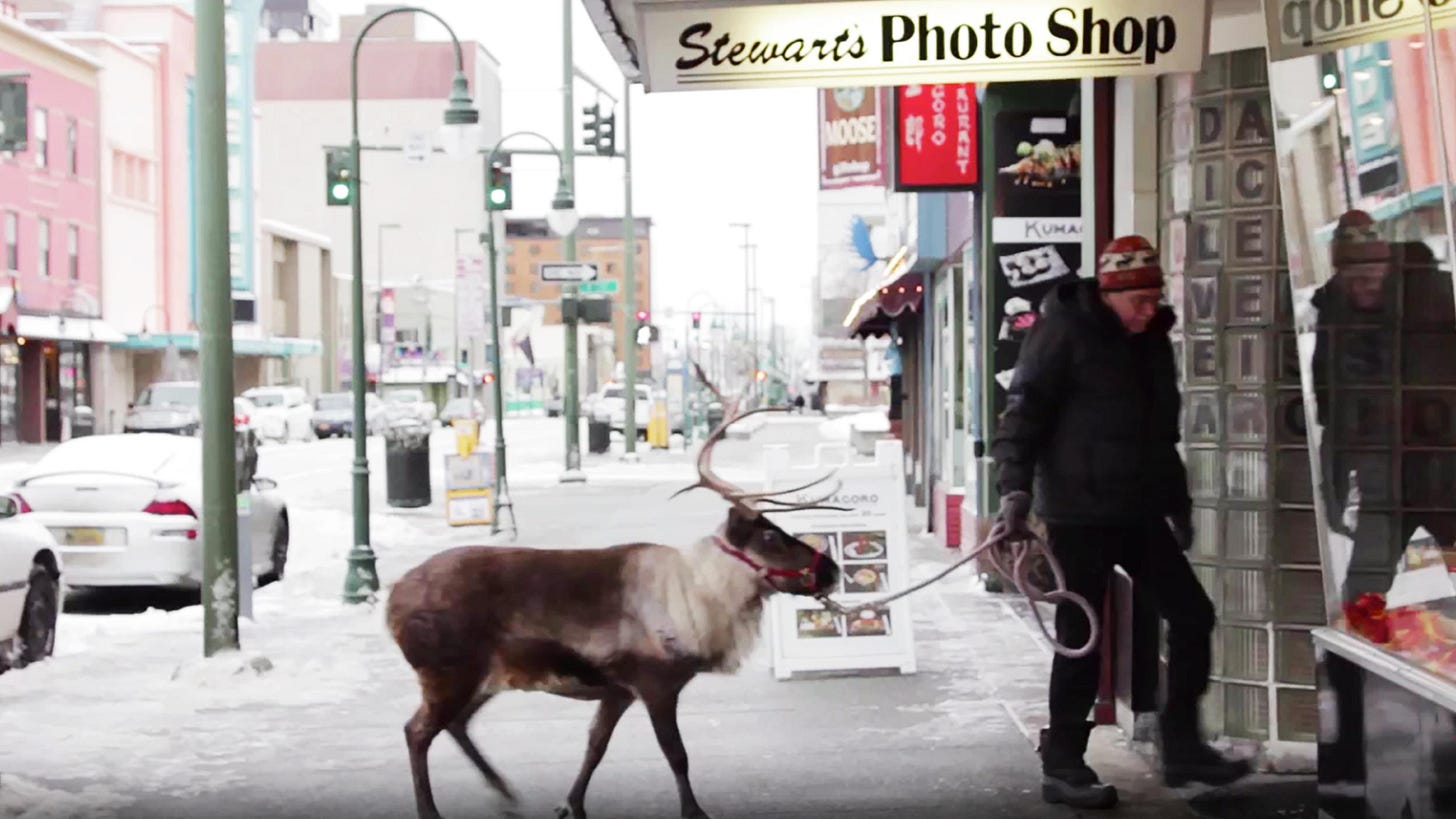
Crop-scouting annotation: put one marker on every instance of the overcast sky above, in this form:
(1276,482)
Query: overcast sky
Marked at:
(702,159)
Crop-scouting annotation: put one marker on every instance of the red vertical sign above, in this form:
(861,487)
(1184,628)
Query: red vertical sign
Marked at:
(937,137)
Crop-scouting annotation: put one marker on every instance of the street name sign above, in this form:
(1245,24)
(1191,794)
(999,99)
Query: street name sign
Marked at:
(607,286)
(566,271)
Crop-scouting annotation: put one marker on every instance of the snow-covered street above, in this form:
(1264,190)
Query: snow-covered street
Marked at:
(129,720)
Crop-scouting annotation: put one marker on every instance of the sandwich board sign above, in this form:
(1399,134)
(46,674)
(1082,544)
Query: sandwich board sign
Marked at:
(469,485)
(870,544)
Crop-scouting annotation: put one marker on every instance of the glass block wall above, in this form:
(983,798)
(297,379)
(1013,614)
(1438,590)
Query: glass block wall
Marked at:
(1223,250)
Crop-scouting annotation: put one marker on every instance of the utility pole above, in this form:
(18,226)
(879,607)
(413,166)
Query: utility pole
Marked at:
(629,272)
(220,592)
(571,407)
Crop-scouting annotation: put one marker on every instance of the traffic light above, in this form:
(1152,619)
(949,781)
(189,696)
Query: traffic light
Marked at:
(339,176)
(644,331)
(760,375)
(488,379)
(498,184)
(599,132)
(697,319)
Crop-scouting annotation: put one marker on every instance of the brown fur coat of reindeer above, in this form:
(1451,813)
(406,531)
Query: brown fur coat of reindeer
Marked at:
(631,622)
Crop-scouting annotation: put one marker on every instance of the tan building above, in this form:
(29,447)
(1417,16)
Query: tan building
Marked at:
(598,240)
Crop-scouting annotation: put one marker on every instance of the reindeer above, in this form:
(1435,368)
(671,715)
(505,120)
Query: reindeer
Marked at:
(631,622)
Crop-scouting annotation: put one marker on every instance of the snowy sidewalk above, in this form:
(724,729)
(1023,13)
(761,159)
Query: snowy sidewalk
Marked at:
(127,720)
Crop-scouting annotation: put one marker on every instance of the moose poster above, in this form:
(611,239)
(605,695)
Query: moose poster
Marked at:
(869,543)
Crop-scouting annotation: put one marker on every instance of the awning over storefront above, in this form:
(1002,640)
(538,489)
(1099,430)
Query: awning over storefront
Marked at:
(270,347)
(64,328)
(902,289)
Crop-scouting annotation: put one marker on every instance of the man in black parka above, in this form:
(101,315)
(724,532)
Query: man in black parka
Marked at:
(1090,431)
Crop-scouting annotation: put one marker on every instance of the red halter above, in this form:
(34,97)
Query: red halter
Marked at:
(768,573)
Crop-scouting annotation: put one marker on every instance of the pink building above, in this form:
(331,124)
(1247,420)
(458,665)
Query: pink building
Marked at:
(50,265)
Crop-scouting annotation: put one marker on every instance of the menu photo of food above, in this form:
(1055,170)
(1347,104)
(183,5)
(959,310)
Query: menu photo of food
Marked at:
(862,578)
(825,542)
(1045,164)
(869,623)
(815,623)
(864,545)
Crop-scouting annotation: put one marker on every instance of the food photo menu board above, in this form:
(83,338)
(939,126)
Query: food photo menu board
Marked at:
(869,543)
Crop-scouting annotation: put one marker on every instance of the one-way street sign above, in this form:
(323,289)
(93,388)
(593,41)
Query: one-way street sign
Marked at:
(566,271)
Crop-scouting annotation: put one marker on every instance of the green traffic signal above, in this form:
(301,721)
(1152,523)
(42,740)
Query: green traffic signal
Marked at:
(498,184)
(339,170)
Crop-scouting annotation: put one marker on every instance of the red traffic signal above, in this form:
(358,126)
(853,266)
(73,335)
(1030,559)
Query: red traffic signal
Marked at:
(641,315)
(697,317)
(488,378)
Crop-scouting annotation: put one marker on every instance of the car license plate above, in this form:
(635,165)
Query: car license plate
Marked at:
(89,536)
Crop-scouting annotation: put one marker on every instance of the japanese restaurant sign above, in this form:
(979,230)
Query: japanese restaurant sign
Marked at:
(937,146)
(702,44)
(1301,27)
(850,150)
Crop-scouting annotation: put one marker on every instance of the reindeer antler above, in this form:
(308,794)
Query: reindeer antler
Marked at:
(729,492)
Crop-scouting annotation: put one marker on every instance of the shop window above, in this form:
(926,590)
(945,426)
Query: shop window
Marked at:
(1366,201)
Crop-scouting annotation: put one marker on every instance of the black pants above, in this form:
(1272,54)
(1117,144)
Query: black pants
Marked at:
(1152,558)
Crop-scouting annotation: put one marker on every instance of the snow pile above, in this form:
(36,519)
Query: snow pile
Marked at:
(23,799)
(838,429)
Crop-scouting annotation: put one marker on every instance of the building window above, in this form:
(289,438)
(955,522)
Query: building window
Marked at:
(73,148)
(43,248)
(42,138)
(12,241)
(73,252)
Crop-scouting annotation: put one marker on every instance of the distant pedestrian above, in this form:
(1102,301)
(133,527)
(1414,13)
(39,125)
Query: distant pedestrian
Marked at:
(799,404)
(1091,429)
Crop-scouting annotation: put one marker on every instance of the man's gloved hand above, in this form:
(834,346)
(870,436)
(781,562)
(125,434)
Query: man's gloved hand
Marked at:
(1182,525)
(1015,506)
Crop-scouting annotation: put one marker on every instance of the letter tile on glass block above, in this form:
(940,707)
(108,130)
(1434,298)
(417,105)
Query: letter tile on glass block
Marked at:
(1290,423)
(1202,415)
(1246,534)
(1245,653)
(1246,357)
(1294,656)
(1248,418)
(1245,594)
(1300,597)
(1246,710)
(1298,714)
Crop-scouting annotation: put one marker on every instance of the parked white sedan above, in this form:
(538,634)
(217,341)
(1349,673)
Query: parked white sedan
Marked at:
(125,510)
(30,588)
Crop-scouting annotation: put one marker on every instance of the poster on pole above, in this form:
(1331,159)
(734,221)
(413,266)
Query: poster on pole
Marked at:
(870,545)
(471,303)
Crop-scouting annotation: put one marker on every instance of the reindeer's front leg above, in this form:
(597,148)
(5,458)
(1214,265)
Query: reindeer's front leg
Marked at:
(610,710)
(661,701)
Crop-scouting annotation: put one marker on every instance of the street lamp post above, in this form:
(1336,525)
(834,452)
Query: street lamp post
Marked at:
(361,580)
(562,219)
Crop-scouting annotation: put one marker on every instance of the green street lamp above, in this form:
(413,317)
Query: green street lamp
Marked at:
(562,219)
(361,580)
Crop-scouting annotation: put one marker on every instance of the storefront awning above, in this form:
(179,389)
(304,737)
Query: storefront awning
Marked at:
(270,347)
(902,289)
(64,328)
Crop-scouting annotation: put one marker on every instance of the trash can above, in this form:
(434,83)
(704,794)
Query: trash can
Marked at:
(598,436)
(715,415)
(83,421)
(407,464)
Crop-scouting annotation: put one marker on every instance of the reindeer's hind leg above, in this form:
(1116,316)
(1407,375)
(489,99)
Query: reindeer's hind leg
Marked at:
(447,694)
(613,705)
(458,733)
(661,701)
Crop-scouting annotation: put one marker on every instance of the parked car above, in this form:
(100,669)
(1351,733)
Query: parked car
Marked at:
(283,414)
(125,510)
(461,408)
(555,405)
(611,405)
(30,587)
(333,414)
(166,406)
(408,402)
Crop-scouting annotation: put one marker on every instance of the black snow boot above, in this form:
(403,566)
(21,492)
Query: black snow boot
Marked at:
(1066,779)
(1188,759)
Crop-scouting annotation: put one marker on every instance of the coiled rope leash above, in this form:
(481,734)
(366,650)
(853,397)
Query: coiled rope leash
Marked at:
(994,547)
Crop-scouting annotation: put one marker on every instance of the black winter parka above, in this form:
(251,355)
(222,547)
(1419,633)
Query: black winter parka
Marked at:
(1091,421)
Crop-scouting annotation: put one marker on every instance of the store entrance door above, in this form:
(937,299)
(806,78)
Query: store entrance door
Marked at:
(51,356)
